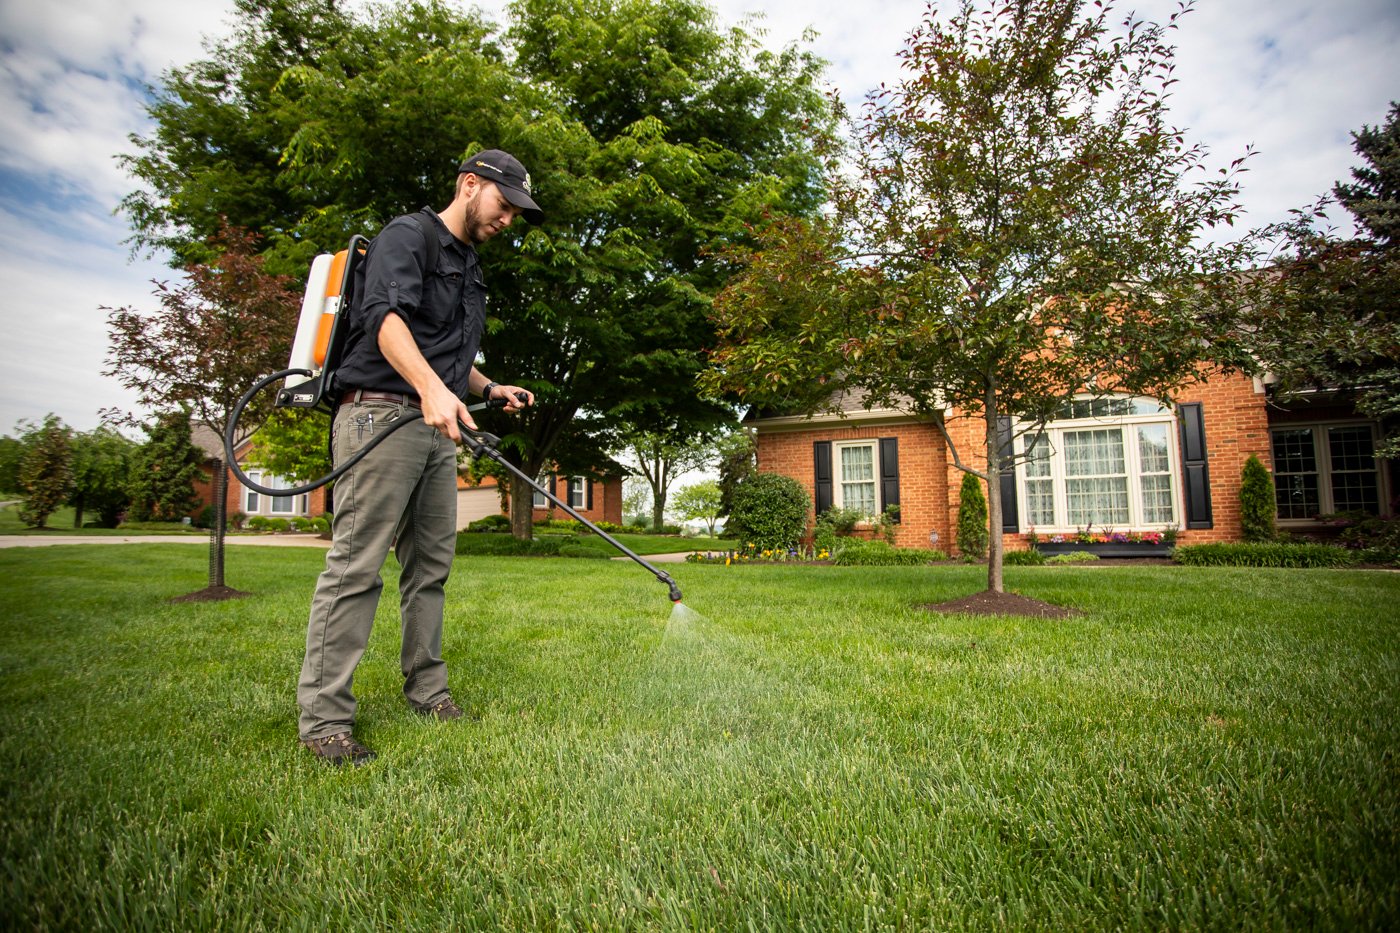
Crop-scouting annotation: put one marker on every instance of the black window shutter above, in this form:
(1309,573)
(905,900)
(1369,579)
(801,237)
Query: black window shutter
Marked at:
(889,473)
(588,493)
(821,465)
(1194,465)
(1010,512)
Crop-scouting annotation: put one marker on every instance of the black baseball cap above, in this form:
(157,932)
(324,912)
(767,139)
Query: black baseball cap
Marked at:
(509,175)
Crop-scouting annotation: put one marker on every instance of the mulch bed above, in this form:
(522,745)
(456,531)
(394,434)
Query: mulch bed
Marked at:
(987,603)
(211,594)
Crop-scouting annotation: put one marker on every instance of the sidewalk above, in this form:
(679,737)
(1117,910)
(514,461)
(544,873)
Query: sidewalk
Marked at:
(262,540)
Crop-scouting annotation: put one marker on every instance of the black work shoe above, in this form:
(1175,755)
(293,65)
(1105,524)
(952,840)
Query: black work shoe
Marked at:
(443,710)
(339,749)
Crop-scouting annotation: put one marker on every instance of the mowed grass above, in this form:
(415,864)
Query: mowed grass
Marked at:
(795,748)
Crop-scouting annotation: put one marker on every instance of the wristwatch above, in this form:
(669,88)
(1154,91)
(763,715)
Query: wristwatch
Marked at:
(487,389)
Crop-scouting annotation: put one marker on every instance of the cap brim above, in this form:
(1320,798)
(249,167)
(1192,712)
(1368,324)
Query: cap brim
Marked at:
(528,208)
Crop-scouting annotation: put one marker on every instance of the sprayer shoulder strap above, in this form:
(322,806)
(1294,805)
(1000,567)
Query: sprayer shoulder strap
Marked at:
(425,220)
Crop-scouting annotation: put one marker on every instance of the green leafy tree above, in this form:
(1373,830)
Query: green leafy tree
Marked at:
(293,443)
(972,518)
(101,475)
(11,456)
(636,496)
(654,137)
(738,460)
(699,502)
(662,462)
(1325,313)
(46,473)
(1258,502)
(164,471)
(1013,223)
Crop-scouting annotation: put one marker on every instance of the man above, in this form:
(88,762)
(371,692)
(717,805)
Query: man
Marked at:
(417,316)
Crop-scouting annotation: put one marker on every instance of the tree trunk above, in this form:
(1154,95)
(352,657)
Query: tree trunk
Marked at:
(994,542)
(78,512)
(522,509)
(219,485)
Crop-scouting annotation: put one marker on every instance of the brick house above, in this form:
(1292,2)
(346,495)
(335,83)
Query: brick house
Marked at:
(1120,464)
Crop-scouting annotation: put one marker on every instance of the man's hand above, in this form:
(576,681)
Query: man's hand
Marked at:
(443,410)
(515,397)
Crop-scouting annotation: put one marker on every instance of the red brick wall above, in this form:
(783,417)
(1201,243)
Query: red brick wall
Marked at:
(607,502)
(922,455)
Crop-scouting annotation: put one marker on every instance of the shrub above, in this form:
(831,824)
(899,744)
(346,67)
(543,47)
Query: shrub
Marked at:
(489,523)
(505,545)
(1265,554)
(205,518)
(972,518)
(611,528)
(259,523)
(1258,506)
(1378,539)
(770,511)
(301,523)
(239,519)
(1072,557)
(1031,558)
(883,554)
(320,524)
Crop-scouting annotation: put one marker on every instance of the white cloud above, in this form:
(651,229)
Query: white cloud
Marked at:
(1293,77)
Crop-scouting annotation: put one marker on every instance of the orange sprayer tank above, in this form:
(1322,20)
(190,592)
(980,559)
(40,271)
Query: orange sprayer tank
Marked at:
(331,306)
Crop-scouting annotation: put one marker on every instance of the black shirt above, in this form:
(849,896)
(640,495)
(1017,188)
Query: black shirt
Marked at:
(444,307)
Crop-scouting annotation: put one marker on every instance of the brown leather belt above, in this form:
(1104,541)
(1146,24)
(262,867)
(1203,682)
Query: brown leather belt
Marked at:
(366,395)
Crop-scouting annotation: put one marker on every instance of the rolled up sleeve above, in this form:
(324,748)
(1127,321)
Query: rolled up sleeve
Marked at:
(393,276)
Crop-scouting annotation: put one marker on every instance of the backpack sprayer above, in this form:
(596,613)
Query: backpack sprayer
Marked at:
(309,379)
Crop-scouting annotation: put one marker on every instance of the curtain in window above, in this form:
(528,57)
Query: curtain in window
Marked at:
(1096,477)
(858,479)
(1040,487)
(1155,473)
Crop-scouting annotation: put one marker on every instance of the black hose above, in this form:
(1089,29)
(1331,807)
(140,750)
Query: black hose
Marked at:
(237,413)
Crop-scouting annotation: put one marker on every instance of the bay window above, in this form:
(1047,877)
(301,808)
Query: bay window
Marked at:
(1105,463)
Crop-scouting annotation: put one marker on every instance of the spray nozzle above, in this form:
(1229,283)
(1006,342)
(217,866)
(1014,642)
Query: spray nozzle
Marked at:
(675,590)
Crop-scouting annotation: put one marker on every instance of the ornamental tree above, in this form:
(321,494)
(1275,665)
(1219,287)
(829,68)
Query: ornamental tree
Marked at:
(1012,223)
(46,471)
(227,324)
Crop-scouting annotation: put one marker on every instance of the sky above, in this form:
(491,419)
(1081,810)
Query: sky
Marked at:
(1293,78)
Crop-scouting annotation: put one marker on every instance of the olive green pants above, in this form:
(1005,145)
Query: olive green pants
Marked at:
(402,495)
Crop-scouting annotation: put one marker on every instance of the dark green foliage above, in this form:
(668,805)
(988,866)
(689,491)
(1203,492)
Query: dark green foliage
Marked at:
(164,471)
(770,511)
(882,554)
(101,474)
(11,456)
(1030,558)
(1377,538)
(1264,554)
(490,523)
(1258,504)
(46,473)
(737,462)
(972,518)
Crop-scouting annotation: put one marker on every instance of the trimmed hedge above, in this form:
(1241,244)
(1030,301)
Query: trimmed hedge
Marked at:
(1264,554)
(506,545)
(883,554)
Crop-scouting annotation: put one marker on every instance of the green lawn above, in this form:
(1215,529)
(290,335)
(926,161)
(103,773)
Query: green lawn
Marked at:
(794,748)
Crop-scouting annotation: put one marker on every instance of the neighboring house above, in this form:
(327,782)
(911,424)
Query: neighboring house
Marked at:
(1117,464)
(598,498)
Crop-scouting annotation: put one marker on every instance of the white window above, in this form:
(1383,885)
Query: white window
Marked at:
(1106,463)
(537,499)
(255,503)
(857,469)
(1322,469)
(578,492)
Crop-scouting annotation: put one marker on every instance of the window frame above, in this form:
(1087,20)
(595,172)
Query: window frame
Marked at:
(1127,424)
(1322,456)
(838,486)
(581,493)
